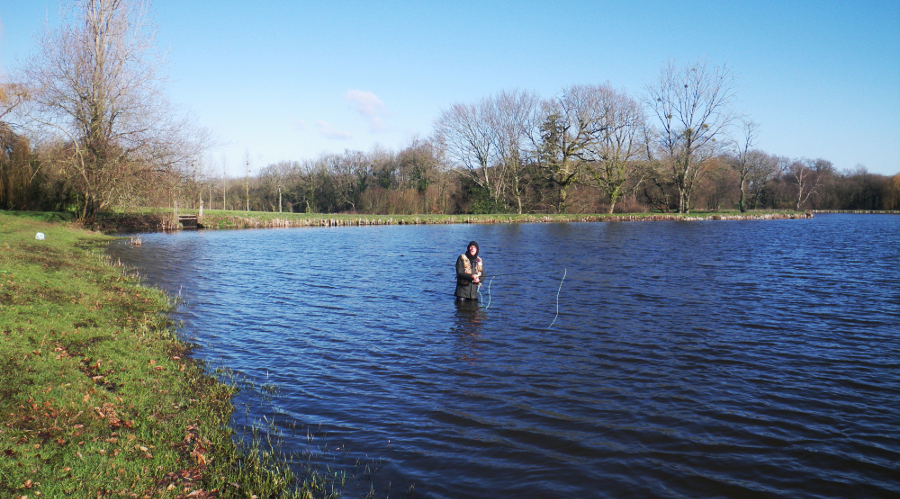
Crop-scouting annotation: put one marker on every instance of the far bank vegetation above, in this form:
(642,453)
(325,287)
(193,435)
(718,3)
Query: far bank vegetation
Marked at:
(85,128)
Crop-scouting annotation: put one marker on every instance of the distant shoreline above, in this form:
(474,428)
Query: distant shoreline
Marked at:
(164,221)
(858,212)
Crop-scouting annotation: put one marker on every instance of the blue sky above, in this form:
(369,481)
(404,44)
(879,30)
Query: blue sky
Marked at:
(288,80)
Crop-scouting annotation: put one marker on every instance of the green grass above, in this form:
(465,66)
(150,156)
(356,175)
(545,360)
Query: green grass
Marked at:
(98,396)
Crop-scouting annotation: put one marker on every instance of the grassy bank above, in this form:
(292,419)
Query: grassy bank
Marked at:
(160,220)
(98,397)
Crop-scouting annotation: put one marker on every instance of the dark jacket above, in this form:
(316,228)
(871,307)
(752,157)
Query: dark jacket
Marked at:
(465,271)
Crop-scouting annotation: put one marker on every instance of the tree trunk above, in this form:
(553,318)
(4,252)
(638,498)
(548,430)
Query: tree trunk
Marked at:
(562,198)
(743,198)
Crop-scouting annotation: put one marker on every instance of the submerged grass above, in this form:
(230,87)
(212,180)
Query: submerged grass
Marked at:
(98,396)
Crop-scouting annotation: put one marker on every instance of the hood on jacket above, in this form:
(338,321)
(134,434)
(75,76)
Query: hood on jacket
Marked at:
(477,250)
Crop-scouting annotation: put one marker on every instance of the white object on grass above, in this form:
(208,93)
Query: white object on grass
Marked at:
(39,236)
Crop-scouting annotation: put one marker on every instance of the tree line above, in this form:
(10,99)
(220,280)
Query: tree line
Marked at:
(417,180)
(86,128)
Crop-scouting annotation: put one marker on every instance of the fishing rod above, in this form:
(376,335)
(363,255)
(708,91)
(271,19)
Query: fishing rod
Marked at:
(504,275)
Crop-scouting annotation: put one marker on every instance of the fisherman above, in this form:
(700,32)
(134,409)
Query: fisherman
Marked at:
(469,273)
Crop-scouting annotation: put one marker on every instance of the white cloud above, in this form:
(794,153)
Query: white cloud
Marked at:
(330,133)
(369,106)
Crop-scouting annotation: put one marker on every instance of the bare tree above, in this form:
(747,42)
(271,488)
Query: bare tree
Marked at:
(276,176)
(741,157)
(808,175)
(515,118)
(571,125)
(12,95)
(349,175)
(420,164)
(717,187)
(490,142)
(247,179)
(17,171)
(97,82)
(312,175)
(692,106)
(612,156)
(465,132)
(892,193)
(762,169)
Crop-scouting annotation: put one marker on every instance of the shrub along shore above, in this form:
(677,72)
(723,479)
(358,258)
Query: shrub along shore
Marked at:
(98,396)
(165,220)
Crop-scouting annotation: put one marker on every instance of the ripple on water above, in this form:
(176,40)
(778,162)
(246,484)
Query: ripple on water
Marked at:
(729,359)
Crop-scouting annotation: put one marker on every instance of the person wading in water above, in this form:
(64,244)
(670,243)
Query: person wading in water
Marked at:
(469,273)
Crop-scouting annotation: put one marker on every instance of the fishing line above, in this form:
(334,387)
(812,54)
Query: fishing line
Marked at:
(511,273)
(565,271)
(491,282)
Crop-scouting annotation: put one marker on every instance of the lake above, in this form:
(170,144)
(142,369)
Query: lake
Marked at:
(637,359)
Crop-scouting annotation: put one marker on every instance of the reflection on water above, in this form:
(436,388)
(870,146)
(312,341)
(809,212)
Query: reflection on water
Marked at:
(468,330)
(729,359)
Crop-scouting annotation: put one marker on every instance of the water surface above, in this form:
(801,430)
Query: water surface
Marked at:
(687,359)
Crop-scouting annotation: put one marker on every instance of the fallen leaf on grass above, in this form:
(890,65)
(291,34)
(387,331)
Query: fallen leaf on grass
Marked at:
(201,458)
